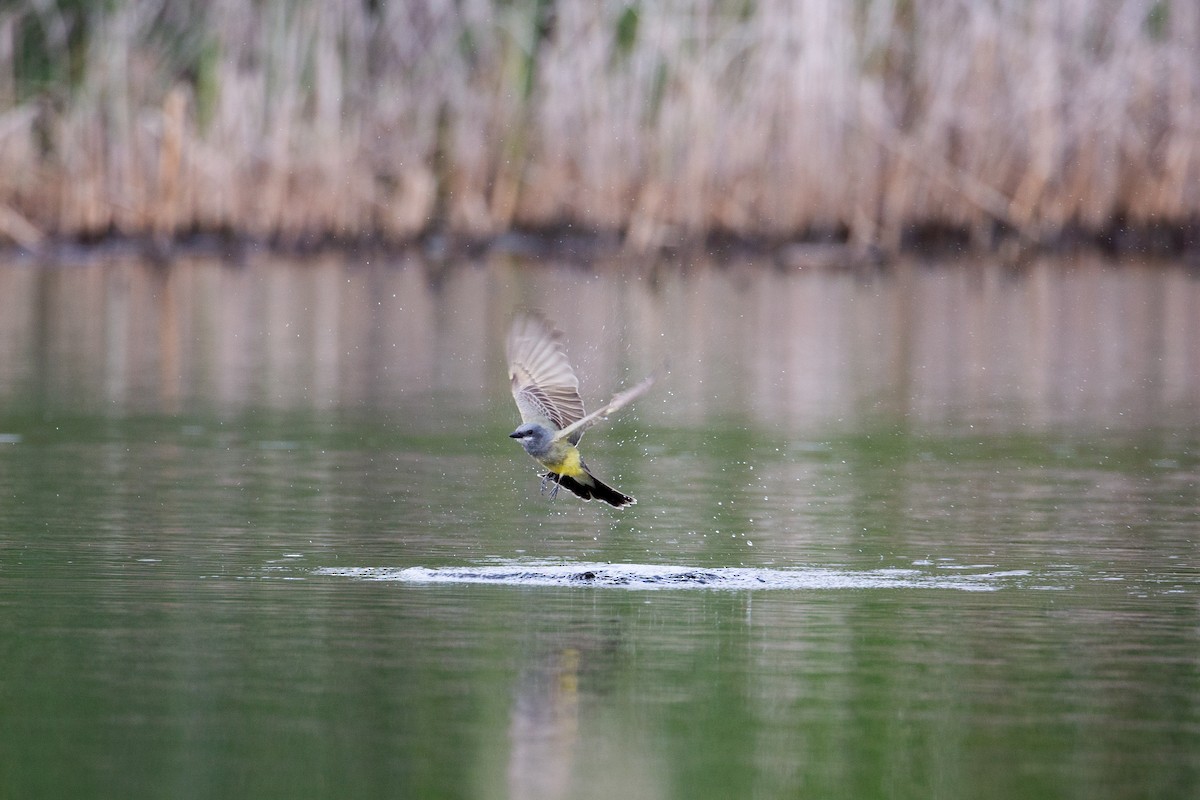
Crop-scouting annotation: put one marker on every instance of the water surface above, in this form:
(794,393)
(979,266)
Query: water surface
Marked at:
(924,534)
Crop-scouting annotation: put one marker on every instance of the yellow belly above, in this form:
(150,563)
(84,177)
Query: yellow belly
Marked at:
(565,462)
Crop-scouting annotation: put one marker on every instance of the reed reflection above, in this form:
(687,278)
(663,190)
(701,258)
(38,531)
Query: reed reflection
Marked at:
(1062,343)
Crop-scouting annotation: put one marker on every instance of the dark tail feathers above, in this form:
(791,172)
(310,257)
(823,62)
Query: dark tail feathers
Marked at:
(597,490)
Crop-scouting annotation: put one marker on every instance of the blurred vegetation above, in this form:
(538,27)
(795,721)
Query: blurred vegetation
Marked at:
(661,122)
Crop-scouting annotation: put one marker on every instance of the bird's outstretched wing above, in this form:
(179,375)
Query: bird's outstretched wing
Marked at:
(543,383)
(575,430)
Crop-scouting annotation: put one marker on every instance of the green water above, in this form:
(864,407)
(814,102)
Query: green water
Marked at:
(188,486)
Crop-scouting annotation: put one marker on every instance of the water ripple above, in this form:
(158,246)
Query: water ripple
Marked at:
(657,576)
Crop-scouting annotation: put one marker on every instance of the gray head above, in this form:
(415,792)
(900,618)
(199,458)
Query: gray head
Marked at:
(534,438)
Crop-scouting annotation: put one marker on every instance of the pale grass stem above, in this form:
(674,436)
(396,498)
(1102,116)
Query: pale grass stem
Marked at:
(660,121)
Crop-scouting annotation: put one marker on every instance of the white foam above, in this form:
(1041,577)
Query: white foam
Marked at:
(656,576)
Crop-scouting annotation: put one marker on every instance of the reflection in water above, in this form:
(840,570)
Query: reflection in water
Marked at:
(544,731)
(1057,343)
(564,734)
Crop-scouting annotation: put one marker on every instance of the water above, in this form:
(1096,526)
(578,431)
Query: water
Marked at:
(928,534)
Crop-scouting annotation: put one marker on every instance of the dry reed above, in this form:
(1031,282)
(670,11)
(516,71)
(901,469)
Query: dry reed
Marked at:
(662,121)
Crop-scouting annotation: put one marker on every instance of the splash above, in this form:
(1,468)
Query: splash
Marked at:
(655,576)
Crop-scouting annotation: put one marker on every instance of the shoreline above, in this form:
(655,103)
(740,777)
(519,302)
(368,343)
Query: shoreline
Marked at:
(832,251)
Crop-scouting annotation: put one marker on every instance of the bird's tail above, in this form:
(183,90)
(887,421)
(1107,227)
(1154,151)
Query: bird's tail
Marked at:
(587,486)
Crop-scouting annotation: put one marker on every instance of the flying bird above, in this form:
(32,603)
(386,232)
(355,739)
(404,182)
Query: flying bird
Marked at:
(552,417)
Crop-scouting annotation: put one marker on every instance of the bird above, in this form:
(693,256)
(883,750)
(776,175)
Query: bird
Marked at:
(553,421)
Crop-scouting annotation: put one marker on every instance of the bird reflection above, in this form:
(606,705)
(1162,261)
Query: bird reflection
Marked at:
(544,730)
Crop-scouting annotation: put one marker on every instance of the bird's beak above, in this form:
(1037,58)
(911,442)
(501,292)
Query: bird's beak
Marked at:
(514,435)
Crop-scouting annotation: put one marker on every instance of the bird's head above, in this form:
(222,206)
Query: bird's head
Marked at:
(533,437)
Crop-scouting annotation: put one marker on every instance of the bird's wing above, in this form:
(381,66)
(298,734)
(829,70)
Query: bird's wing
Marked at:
(575,430)
(543,383)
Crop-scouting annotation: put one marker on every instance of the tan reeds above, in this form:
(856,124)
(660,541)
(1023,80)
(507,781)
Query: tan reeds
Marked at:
(658,120)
